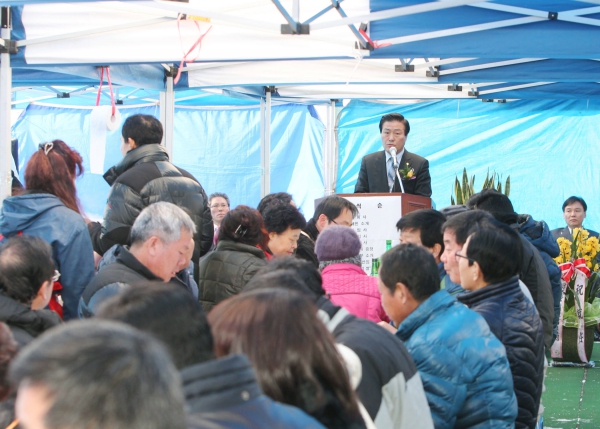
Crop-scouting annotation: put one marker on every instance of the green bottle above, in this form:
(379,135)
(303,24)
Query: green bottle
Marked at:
(375,267)
(388,245)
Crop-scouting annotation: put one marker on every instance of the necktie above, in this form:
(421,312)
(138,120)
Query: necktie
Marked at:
(391,173)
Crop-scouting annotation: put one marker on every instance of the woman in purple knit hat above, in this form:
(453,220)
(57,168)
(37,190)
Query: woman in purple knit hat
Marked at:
(338,252)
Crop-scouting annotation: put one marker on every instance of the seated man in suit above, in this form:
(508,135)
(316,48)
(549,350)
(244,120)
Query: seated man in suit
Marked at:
(574,212)
(377,169)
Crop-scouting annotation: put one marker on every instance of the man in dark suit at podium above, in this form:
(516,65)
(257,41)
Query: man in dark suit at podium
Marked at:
(377,172)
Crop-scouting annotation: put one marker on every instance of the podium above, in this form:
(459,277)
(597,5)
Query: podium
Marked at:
(377,218)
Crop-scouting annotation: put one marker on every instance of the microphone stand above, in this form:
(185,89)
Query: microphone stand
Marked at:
(398,175)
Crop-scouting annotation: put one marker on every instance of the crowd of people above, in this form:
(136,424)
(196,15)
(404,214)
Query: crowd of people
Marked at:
(179,311)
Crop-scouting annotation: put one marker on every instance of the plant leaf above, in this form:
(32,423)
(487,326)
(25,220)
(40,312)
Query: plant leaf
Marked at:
(507,187)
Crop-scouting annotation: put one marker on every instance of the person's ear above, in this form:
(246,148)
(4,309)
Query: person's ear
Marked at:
(436,251)
(401,293)
(322,222)
(272,235)
(43,296)
(131,143)
(476,271)
(154,245)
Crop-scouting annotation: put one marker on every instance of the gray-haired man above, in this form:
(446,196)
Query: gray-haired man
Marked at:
(161,244)
(97,374)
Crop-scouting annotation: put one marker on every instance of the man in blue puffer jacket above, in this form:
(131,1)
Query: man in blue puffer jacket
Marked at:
(538,233)
(463,366)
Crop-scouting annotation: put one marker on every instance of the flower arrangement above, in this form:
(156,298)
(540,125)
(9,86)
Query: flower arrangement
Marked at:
(407,173)
(579,255)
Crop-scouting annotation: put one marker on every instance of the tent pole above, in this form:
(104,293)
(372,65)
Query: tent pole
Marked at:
(265,140)
(329,151)
(167,115)
(5,109)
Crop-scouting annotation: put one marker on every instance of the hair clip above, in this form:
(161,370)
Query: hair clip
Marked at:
(240,231)
(46,147)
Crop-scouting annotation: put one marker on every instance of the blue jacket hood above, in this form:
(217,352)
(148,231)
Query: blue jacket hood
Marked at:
(538,234)
(18,213)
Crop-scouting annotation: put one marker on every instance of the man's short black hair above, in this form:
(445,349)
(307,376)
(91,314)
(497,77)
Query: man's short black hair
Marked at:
(102,374)
(462,224)
(495,203)
(302,270)
(280,279)
(272,200)
(332,206)
(281,217)
(142,129)
(391,117)
(498,251)
(25,264)
(218,195)
(429,224)
(169,313)
(573,200)
(412,266)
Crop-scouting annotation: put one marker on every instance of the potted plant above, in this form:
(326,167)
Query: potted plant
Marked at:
(580,310)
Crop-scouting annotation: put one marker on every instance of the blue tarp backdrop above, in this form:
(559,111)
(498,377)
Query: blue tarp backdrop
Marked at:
(220,147)
(549,148)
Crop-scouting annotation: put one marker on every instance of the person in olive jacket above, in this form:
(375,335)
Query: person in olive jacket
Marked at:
(238,257)
(489,267)
(146,176)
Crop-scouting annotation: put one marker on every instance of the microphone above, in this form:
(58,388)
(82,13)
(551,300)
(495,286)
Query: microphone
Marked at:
(393,153)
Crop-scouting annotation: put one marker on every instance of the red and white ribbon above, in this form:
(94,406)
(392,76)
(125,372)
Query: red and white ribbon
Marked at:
(581,272)
(568,269)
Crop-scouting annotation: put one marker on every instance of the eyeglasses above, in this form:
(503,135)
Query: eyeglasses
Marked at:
(56,276)
(458,255)
(331,220)
(216,206)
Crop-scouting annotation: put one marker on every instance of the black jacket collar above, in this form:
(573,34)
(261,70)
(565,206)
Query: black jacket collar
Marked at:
(497,290)
(126,258)
(222,383)
(311,230)
(146,153)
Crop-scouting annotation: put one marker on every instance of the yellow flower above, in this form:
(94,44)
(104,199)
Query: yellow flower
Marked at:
(589,264)
(409,174)
(596,267)
(584,234)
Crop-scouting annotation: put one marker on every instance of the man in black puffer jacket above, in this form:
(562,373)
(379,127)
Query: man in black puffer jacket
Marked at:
(534,269)
(489,266)
(146,176)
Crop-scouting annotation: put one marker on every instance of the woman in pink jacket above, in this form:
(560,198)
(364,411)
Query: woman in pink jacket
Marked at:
(338,252)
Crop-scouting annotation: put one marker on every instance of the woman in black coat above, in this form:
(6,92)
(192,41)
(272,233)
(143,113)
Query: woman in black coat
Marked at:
(238,257)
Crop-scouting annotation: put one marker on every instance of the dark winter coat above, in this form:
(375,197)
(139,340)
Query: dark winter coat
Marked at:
(306,243)
(390,388)
(463,365)
(224,393)
(538,233)
(25,323)
(109,281)
(45,216)
(225,271)
(143,177)
(514,320)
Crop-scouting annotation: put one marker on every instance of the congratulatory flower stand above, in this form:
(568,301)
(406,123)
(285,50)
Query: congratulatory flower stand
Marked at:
(580,310)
